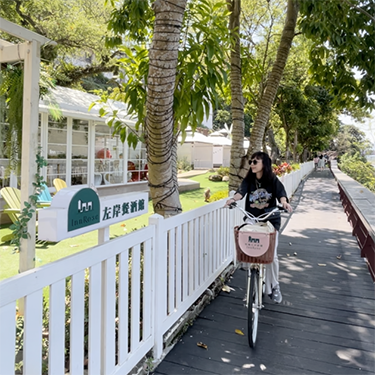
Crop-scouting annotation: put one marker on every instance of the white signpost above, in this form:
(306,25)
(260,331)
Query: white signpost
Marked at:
(78,209)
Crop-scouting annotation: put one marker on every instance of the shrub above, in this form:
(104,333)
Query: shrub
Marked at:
(283,168)
(219,195)
(223,171)
(215,177)
(356,168)
(183,165)
(296,166)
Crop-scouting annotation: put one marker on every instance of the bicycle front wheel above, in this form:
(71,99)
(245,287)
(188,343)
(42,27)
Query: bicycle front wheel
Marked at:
(252,306)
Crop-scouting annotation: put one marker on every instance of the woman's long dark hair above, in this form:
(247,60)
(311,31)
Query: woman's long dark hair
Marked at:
(268,174)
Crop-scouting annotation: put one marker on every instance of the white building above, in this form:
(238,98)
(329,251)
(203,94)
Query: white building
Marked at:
(197,150)
(206,152)
(80,148)
(221,149)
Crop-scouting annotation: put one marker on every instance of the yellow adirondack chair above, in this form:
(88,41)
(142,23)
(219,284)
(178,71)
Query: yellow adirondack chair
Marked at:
(59,184)
(12,198)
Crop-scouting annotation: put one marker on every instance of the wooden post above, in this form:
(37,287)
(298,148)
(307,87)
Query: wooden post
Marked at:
(29,146)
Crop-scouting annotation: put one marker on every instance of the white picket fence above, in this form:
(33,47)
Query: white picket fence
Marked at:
(292,180)
(125,293)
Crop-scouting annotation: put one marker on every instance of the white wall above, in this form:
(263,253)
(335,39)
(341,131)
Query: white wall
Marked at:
(226,156)
(203,156)
(184,151)
(217,155)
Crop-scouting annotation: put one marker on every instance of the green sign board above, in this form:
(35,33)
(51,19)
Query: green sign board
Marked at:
(84,209)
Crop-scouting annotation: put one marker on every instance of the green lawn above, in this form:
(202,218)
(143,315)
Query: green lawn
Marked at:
(49,252)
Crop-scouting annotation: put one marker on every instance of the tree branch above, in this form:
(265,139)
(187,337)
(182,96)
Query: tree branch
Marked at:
(26,19)
(359,9)
(77,73)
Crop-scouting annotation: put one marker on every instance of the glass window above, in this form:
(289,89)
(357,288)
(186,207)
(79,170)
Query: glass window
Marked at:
(108,157)
(56,149)
(137,163)
(80,141)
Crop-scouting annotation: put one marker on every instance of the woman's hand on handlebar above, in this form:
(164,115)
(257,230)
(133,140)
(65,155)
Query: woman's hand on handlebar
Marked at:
(287,207)
(230,203)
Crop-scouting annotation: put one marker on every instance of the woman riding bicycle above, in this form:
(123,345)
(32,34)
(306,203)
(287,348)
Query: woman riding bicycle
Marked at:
(263,187)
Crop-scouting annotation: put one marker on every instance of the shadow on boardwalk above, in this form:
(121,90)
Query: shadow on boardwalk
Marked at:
(326,322)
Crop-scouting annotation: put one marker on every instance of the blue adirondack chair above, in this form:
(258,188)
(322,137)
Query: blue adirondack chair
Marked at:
(44,199)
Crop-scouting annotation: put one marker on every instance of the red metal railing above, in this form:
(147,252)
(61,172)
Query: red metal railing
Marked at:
(361,230)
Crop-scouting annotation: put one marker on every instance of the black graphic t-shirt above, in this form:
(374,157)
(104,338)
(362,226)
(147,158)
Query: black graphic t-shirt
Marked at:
(261,194)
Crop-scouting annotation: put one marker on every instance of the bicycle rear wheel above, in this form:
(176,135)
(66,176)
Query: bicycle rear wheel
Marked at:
(252,306)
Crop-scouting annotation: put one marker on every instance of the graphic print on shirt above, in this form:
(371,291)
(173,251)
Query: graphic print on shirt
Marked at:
(259,198)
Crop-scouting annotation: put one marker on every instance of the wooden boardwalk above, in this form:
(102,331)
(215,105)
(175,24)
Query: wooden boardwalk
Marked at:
(326,321)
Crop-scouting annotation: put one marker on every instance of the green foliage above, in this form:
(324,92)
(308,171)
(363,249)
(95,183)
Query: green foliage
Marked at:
(19,228)
(134,18)
(223,171)
(350,140)
(342,33)
(219,195)
(223,115)
(12,89)
(295,166)
(78,27)
(201,70)
(183,165)
(134,70)
(309,112)
(359,169)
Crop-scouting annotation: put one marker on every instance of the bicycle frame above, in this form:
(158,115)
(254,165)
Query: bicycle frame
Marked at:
(255,272)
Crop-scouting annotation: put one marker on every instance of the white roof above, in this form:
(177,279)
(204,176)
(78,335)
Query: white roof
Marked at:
(196,137)
(76,104)
(217,140)
(217,134)
(220,141)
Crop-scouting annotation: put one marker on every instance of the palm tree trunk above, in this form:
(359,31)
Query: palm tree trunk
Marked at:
(295,146)
(161,140)
(237,152)
(268,97)
(275,153)
(264,147)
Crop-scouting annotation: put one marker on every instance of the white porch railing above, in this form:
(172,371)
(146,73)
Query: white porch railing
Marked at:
(124,294)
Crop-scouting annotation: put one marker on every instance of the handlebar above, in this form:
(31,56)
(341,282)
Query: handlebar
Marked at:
(261,217)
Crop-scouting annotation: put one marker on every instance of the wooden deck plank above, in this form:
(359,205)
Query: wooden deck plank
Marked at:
(326,321)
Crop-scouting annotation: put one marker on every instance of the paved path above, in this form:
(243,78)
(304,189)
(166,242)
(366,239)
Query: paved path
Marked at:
(192,173)
(326,322)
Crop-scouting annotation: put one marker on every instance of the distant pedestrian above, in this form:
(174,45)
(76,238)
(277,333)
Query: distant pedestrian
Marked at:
(321,162)
(316,160)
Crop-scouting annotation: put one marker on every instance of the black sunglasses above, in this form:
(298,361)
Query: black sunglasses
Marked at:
(254,161)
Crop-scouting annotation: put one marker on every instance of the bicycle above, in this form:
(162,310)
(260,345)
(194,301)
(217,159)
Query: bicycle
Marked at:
(258,250)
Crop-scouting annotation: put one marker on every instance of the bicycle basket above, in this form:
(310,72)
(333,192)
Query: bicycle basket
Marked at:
(255,243)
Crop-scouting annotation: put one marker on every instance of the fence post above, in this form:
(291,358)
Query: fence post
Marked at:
(233,220)
(159,282)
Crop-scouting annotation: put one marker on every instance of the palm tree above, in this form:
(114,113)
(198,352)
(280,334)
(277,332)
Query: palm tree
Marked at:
(238,126)
(269,94)
(161,139)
